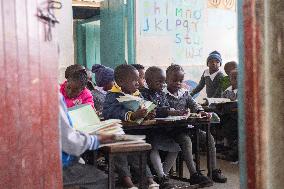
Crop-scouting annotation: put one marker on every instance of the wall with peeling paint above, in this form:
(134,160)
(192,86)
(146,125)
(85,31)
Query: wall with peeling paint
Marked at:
(274,90)
(65,37)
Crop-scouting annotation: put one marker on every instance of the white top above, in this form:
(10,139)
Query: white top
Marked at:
(212,76)
(180,92)
(230,89)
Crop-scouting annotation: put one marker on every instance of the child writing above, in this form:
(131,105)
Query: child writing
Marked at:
(225,82)
(211,78)
(160,141)
(74,89)
(141,71)
(104,77)
(180,99)
(126,82)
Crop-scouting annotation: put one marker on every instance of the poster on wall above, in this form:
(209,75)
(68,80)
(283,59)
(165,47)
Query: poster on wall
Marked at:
(180,22)
(222,4)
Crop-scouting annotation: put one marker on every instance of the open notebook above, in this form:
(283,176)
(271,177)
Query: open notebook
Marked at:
(133,103)
(85,119)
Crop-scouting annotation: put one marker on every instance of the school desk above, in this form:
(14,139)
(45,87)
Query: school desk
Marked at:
(180,124)
(140,149)
(223,108)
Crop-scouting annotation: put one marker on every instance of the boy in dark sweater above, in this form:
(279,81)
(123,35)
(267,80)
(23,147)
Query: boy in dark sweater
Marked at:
(126,82)
(211,78)
(180,99)
(160,139)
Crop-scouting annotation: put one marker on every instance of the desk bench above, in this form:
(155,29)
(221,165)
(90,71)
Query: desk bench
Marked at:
(140,149)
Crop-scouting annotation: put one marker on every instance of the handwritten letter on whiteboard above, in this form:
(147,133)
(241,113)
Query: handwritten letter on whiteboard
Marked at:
(179,23)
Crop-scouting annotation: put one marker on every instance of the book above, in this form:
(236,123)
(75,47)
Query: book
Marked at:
(85,119)
(134,103)
(127,137)
(210,101)
(122,143)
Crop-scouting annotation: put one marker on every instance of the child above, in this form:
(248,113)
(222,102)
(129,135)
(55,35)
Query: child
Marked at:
(232,91)
(74,89)
(141,71)
(155,79)
(180,99)
(211,77)
(104,77)
(229,120)
(73,68)
(126,82)
(90,84)
(225,82)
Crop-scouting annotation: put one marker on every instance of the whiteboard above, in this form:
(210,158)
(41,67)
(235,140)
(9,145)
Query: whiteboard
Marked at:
(184,32)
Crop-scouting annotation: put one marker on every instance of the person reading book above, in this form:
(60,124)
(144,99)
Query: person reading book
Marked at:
(161,141)
(141,70)
(126,82)
(75,143)
(180,99)
(74,89)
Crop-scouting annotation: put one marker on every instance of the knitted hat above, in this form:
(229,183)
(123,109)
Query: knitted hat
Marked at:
(216,56)
(103,75)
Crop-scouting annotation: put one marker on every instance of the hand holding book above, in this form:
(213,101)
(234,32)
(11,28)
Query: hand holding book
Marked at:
(139,114)
(106,138)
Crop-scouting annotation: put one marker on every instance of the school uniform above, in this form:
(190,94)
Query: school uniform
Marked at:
(75,143)
(229,121)
(212,83)
(184,101)
(113,109)
(162,140)
(230,93)
(99,96)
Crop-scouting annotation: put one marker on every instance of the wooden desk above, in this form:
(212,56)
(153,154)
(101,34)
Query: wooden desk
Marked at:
(180,124)
(140,149)
(223,108)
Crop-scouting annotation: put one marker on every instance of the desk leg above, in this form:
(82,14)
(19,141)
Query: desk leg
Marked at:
(208,150)
(142,159)
(197,156)
(111,174)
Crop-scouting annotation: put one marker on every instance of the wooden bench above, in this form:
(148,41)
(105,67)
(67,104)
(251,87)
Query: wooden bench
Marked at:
(140,149)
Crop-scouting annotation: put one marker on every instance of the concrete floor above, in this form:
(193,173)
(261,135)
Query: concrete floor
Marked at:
(231,171)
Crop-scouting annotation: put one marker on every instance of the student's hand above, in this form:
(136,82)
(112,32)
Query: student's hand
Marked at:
(205,114)
(151,115)
(177,112)
(141,113)
(106,138)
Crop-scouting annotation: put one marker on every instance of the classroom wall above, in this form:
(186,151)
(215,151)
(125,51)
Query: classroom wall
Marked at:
(65,37)
(185,32)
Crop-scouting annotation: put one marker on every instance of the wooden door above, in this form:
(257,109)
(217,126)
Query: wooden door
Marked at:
(29,150)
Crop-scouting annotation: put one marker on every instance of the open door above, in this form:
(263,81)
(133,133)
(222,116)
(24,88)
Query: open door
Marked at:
(29,134)
(87,41)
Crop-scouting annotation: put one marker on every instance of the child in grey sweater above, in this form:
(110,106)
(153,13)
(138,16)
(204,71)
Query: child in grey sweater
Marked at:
(181,100)
(211,78)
